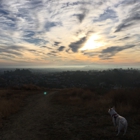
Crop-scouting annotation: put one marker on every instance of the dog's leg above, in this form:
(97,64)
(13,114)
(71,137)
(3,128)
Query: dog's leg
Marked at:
(125,129)
(119,129)
(113,121)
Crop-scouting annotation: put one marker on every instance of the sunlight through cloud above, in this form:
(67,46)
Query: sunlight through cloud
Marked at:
(92,43)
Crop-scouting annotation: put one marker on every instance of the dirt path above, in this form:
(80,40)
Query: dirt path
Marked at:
(28,124)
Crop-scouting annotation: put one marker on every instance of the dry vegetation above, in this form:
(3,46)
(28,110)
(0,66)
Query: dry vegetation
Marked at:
(124,100)
(87,113)
(12,99)
(80,114)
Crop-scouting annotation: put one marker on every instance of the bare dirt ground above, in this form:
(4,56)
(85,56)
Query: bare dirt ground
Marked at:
(42,119)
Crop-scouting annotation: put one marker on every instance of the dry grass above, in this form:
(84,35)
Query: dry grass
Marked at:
(74,96)
(12,99)
(81,114)
(27,87)
(87,112)
(83,98)
(125,101)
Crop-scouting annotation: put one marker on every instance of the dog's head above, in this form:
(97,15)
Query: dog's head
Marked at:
(111,110)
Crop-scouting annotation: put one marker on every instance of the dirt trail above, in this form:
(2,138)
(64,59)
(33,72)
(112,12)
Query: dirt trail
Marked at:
(28,124)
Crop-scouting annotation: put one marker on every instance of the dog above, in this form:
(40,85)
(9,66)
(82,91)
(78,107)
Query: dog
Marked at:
(118,121)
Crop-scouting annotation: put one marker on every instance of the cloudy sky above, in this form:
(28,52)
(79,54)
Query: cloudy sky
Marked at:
(43,33)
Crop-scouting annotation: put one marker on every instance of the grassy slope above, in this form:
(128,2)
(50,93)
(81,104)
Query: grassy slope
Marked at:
(84,114)
(12,99)
(78,114)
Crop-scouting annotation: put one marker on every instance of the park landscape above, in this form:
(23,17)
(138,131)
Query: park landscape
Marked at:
(64,63)
(72,114)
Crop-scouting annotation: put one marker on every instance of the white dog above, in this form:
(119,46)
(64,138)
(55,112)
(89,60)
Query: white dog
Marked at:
(118,120)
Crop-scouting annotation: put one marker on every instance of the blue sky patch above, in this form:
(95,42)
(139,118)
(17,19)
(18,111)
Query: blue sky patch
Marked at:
(35,41)
(50,25)
(29,34)
(3,12)
(108,14)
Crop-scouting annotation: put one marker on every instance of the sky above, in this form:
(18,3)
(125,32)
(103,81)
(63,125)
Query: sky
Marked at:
(51,33)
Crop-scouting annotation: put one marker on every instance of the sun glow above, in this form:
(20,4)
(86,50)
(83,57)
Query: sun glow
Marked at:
(92,43)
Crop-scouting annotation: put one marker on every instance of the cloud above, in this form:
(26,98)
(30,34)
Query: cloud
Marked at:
(61,48)
(4,12)
(130,2)
(42,26)
(123,26)
(125,38)
(15,47)
(52,53)
(90,54)
(50,25)
(133,18)
(73,3)
(31,50)
(82,15)
(68,50)
(111,51)
(56,43)
(35,41)
(29,33)
(12,50)
(108,14)
(78,44)
(46,47)
(7,56)
(36,3)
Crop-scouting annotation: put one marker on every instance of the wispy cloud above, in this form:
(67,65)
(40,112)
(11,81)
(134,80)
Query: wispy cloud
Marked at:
(61,48)
(81,15)
(42,30)
(108,14)
(111,51)
(77,44)
(11,51)
(56,43)
(132,18)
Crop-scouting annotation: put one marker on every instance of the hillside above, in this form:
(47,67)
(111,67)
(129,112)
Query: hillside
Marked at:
(73,114)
